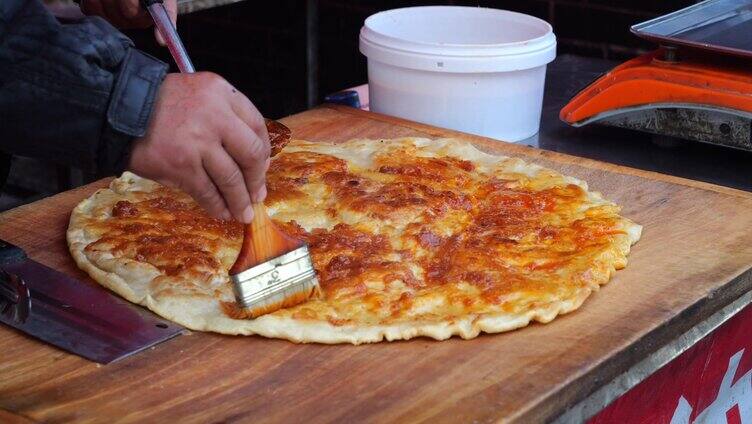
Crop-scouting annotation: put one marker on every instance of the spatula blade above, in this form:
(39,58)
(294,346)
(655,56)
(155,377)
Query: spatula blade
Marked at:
(81,318)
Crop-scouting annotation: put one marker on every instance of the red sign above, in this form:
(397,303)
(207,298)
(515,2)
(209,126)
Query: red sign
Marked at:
(709,383)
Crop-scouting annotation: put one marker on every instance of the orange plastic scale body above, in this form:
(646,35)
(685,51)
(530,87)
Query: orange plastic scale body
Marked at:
(649,80)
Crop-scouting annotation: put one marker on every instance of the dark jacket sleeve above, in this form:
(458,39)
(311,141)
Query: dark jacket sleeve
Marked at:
(71,92)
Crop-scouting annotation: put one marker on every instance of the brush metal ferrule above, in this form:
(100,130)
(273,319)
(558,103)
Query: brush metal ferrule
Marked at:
(272,277)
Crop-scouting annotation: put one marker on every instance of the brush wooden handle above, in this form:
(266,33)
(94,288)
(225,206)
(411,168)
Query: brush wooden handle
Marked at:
(262,240)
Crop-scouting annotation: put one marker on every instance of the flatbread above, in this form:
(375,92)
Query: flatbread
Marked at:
(410,237)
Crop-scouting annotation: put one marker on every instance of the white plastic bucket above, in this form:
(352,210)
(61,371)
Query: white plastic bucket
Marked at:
(471,69)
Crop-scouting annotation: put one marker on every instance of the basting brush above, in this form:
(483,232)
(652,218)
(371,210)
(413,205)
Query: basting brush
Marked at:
(273,270)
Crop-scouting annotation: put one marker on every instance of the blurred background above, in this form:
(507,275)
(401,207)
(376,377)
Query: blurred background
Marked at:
(287,55)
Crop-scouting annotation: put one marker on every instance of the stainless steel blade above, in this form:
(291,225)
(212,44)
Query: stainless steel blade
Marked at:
(82,318)
(170,34)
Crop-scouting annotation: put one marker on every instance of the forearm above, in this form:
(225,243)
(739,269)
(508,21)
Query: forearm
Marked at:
(73,93)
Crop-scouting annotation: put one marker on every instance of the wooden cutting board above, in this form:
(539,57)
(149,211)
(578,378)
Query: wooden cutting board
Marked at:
(694,257)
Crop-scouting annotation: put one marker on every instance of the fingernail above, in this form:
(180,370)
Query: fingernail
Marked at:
(260,195)
(267,163)
(248,215)
(225,215)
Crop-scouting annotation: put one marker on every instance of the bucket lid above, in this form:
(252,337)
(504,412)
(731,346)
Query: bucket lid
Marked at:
(457,39)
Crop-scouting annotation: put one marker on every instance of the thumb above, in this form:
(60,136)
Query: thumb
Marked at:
(159,37)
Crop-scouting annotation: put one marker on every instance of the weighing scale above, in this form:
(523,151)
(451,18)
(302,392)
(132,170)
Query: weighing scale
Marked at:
(696,86)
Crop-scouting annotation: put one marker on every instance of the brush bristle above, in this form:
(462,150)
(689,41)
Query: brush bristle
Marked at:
(273,270)
(262,241)
(290,296)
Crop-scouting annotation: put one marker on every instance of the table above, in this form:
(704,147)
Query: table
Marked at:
(532,375)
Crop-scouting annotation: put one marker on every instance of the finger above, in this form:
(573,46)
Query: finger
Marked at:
(250,153)
(205,193)
(247,112)
(228,178)
(104,9)
(257,186)
(131,9)
(159,38)
(124,15)
(112,13)
(260,194)
(91,7)
(251,117)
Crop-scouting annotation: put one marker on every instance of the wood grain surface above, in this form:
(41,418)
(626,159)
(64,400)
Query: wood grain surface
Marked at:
(694,257)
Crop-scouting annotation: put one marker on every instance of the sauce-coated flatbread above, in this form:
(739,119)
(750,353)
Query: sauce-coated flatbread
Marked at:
(409,237)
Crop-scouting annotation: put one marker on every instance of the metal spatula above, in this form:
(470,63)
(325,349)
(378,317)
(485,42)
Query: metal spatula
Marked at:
(75,316)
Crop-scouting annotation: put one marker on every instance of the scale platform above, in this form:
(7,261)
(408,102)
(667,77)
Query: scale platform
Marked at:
(696,86)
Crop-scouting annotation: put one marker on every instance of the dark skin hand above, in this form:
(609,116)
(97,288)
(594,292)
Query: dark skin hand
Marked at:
(207,139)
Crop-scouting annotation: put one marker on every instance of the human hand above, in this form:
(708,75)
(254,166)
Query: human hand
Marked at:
(126,14)
(208,139)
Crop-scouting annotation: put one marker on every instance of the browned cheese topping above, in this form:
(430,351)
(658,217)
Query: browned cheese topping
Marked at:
(393,234)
